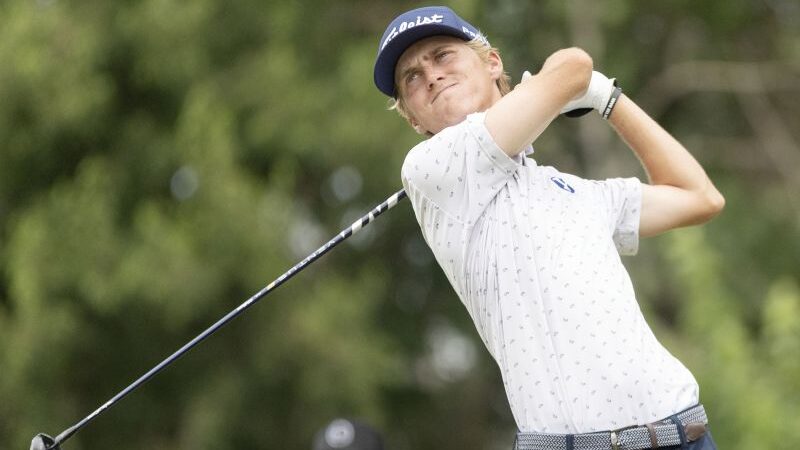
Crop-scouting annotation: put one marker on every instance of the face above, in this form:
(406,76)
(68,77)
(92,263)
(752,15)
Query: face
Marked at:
(442,80)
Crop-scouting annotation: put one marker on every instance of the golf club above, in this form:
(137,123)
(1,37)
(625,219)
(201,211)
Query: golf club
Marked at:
(44,442)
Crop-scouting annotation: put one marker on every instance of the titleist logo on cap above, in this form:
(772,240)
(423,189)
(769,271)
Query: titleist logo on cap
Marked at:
(421,20)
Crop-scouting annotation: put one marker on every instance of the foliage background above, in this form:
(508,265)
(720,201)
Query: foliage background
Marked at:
(162,160)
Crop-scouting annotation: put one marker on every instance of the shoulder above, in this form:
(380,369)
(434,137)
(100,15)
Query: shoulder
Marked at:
(416,160)
(430,152)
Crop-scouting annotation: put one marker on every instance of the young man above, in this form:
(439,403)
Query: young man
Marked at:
(533,253)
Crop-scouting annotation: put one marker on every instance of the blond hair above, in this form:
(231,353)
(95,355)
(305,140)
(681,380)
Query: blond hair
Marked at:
(483,51)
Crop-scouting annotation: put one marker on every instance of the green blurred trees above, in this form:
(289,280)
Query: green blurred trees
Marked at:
(161,161)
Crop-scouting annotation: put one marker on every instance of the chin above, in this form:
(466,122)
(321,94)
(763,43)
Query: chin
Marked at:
(453,116)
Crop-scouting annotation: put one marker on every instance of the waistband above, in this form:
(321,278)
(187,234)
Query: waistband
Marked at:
(685,426)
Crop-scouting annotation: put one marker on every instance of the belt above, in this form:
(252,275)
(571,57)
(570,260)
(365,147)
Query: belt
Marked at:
(685,426)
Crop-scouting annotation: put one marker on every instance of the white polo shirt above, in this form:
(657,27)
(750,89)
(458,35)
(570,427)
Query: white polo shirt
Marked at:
(533,254)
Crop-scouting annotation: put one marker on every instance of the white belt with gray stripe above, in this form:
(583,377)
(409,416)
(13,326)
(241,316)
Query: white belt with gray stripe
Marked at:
(686,426)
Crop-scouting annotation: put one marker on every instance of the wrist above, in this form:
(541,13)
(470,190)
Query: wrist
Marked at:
(600,90)
(612,102)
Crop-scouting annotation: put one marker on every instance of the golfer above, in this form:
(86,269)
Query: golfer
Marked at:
(533,253)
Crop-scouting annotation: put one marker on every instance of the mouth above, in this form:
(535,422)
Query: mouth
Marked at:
(440,92)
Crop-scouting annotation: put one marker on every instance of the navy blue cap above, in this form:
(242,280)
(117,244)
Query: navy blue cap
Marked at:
(410,27)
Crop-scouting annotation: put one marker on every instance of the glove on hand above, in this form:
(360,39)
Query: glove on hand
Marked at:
(596,96)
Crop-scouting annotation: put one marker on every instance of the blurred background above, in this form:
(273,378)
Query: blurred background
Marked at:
(162,160)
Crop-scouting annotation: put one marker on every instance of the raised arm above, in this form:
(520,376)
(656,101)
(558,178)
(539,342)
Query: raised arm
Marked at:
(680,193)
(522,115)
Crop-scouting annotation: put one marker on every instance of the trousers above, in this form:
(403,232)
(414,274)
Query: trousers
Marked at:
(704,443)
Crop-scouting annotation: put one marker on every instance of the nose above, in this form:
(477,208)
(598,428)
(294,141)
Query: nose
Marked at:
(433,76)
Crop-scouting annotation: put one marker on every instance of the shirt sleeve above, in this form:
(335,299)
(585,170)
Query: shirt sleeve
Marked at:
(459,170)
(623,201)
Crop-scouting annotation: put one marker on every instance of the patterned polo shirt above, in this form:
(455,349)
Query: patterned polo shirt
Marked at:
(533,254)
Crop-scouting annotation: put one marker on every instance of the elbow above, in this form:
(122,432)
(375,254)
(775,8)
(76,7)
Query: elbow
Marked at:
(713,204)
(583,61)
(580,66)
(575,69)
(717,203)
(578,57)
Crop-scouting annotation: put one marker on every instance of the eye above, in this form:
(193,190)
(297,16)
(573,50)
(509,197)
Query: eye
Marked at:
(443,54)
(412,76)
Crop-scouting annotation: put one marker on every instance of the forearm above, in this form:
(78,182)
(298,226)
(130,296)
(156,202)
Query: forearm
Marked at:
(521,116)
(665,160)
(682,192)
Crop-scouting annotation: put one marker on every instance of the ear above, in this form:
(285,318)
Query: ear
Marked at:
(495,65)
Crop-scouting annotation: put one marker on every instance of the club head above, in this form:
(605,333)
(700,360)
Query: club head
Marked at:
(44,442)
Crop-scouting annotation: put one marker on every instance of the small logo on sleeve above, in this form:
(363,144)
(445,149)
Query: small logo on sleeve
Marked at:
(562,184)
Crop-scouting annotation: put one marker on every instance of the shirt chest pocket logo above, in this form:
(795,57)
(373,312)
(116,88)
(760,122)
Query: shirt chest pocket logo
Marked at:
(562,184)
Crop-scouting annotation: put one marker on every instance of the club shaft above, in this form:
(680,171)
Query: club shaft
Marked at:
(336,240)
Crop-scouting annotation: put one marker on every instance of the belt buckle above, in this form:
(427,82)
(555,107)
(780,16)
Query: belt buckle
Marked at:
(615,435)
(614,441)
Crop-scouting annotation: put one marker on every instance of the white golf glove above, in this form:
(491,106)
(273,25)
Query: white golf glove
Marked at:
(601,95)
